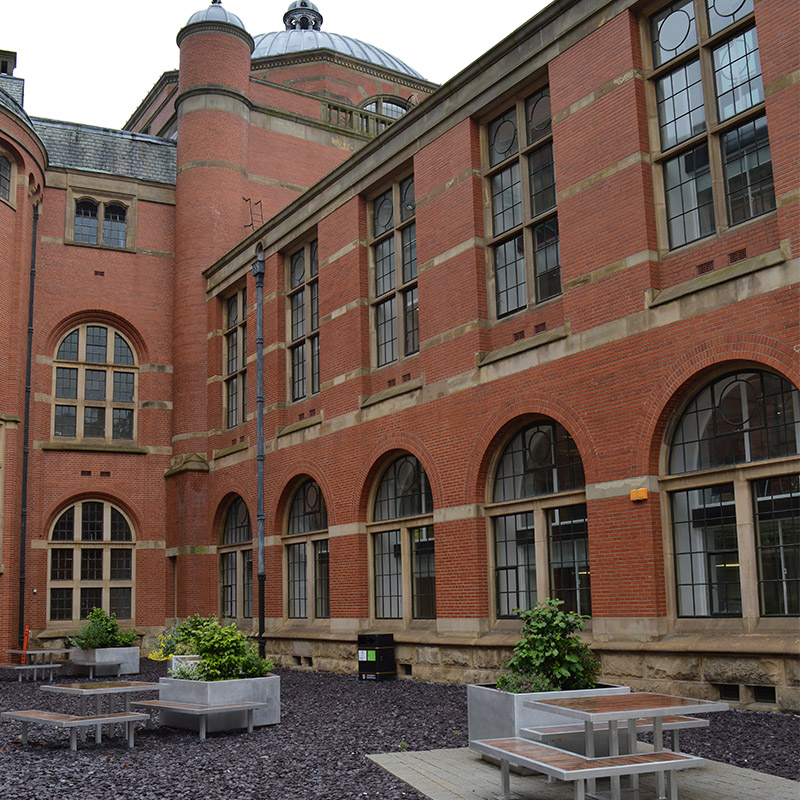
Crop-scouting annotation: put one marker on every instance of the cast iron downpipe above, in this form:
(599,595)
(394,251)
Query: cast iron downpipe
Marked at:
(23,526)
(258,274)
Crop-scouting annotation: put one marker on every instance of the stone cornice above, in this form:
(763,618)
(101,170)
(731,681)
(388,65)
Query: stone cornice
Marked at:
(216,27)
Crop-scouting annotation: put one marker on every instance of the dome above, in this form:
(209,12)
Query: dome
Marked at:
(216,13)
(303,32)
(10,104)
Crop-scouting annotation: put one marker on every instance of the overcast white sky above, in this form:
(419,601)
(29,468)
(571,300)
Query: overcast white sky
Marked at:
(93,61)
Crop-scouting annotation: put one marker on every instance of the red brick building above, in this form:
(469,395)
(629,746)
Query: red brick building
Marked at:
(530,333)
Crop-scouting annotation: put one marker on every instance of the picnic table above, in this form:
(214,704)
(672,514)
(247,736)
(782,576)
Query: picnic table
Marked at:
(33,661)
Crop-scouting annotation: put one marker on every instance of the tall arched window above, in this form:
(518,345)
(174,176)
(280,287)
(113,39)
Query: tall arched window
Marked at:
(236,562)
(91,554)
(308,555)
(94,386)
(404,567)
(5,178)
(746,426)
(539,516)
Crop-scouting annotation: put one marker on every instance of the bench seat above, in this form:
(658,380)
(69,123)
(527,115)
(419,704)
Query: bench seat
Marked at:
(22,668)
(203,712)
(73,723)
(566,766)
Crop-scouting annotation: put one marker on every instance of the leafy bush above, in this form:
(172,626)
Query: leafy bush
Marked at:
(178,640)
(102,630)
(187,672)
(550,655)
(225,652)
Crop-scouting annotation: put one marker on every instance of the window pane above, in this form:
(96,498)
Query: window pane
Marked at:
(65,421)
(382,213)
(86,222)
(322,600)
(569,558)
(547,259)
(298,311)
(299,371)
(308,512)
(96,338)
(506,199)
(123,356)
(237,524)
(423,574)
(94,422)
(123,387)
(114,226)
(408,205)
(68,350)
(91,598)
(386,330)
(314,253)
(515,563)
(314,364)
(232,348)
(673,31)
(247,583)
(777,504)
(409,236)
(722,13)
(120,530)
(384,266)
(503,139)
(681,114)
(67,383)
(5,178)
(232,397)
(120,602)
(95,384)
(61,564)
(509,271)
(748,171)
(404,491)
(543,180)
(706,552)
(537,115)
(123,424)
(540,459)
(91,564)
(232,311)
(61,604)
(313,291)
(411,321)
(690,206)
(228,581)
(64,529)
(92,522)
(388,575)
(121,564)
(298,589)
(737,74)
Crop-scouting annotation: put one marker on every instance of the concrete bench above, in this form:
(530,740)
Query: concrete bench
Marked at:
(571,736)
(31,669)
(203,712)
(578,769)
(90,665)
(73,723)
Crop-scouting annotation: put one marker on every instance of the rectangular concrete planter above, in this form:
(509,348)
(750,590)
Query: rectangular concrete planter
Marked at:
(494,714)
(129,656)
(216,693)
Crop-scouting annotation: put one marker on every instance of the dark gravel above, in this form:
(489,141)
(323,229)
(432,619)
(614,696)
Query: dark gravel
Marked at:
(329,724)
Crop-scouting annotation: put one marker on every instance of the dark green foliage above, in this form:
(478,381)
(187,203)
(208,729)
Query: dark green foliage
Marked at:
(225,651)
(550,655)
(102,630)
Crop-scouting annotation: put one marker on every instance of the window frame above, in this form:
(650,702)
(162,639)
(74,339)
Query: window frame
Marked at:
(85,369)
(398,239)
(79,544)
(234,377)
(302,335)
(103,201)
(537,271)
(235,557)
(711,137)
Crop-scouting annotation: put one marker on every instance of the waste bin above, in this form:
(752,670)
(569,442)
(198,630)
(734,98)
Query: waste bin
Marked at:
(376,657)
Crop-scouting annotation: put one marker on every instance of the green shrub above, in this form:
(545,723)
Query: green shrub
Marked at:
(550,655)
(102,630)
(225,652)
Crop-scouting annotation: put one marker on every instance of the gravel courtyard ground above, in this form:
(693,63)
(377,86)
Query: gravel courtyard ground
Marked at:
(329,724)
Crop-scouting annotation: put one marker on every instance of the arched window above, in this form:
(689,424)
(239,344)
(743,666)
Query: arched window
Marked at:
(236,562)
(114,226)
(540,515)
(308,559)
(404,567)
(94,386)
(91,554)
(392,107)
(734,425)
(5,178)
(86,222)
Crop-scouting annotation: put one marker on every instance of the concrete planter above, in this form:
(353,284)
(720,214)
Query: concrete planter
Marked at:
(105,659)
(216,693)
(494,714)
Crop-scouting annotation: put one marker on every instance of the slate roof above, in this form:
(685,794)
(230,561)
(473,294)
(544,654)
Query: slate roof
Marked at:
(12,103)
(130,155)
